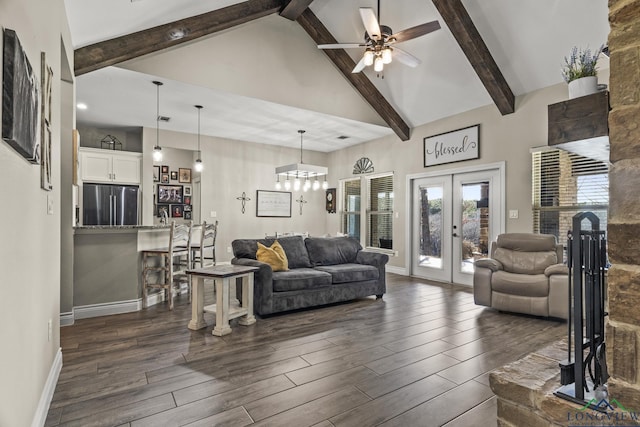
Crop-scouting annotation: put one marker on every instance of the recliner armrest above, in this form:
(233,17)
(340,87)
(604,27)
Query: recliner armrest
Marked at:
(556,269)
(490,263)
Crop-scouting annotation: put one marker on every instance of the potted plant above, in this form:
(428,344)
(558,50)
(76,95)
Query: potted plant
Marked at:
(579,71)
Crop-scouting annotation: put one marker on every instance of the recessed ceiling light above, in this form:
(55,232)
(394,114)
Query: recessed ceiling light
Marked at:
(81,106)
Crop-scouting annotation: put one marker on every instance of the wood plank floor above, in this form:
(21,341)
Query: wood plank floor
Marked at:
(419,357)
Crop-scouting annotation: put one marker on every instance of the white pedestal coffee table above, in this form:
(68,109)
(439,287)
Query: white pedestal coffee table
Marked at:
(224,276)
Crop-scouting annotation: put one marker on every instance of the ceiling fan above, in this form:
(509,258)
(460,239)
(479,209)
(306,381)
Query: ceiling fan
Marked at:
(379,42)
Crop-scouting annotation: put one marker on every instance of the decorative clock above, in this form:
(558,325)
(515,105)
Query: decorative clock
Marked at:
(331,200)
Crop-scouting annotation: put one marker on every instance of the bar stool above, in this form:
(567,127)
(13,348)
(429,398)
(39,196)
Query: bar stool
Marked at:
(205,249)
(168,263)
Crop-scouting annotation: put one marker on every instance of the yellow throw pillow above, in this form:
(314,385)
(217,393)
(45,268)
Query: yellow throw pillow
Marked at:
(274,256)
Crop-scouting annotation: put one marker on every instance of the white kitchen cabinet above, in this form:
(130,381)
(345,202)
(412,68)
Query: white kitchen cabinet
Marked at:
(112,167)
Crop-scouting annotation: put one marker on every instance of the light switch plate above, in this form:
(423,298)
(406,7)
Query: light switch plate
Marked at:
(513,214)
(214,214)
(49,204)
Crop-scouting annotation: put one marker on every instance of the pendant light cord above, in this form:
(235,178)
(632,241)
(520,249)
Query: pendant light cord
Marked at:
(301,132)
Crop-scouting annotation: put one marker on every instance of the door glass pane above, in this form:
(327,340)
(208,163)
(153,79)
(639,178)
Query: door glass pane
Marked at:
(431,227)
(475,224)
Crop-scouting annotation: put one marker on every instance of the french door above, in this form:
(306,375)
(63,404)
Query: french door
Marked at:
(455,217)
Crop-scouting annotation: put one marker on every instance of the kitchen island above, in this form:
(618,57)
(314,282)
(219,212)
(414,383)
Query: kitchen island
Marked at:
(106,267)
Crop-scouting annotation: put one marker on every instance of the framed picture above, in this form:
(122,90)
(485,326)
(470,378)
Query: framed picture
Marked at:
(46,74)
(169,194)
(165,169)
(160,209)
(174,175)
(177,211)
(164,178)
(454,146)
(187,208)
(187,190)
(185,175)
(187,200)
(273,203)
(187,214)
(20,100)
(156,174)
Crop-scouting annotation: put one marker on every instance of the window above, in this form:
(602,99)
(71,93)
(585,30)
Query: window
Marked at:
(565,184)
(371,198)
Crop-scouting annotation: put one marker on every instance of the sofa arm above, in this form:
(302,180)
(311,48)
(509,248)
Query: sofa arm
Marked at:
(556,269)
(262,284)
(376,259)
(491,264)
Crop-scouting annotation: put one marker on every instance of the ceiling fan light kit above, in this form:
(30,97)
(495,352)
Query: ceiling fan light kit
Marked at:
(378,42)
(300,171)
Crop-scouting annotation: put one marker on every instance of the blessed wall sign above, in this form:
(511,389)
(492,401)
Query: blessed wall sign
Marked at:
(454,146)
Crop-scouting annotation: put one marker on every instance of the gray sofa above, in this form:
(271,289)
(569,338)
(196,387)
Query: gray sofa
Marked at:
(524,274)
(321,271)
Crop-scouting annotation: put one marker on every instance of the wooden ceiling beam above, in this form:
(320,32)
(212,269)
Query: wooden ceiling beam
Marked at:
(294,8)
(320,35)
(466,34)
(120,49)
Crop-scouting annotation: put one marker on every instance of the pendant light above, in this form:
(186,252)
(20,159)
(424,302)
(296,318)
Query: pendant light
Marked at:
(199,166)
(157,150)
(300,171)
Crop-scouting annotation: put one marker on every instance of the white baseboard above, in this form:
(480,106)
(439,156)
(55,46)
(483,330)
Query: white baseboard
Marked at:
(397,270)
(47,392)
(95,310)
(67,319)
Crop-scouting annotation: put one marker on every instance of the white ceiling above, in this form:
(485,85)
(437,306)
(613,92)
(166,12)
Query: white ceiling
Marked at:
(527,38)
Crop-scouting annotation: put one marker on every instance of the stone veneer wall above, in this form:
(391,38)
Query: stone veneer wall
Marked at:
(623,326)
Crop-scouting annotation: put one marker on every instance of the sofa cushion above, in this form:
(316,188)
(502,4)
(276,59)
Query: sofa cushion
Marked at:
(345,273)
(300,278)
(526,285)
(332,250)
(273,255)
(293,246)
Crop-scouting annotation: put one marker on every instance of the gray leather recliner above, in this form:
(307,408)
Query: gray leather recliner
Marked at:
(524,274)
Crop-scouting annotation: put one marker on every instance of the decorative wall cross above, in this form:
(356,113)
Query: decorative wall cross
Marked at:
(244,199)
(302,201)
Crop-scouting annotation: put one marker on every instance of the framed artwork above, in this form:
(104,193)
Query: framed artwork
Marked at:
(187,200)
(164,178)
(185,175)
(187,208)
(187,190)
(273,203)
(160,209)
(177,211)
(330,199)
(187,215)
(174,175)
(169,194)
(156,174)
(46,76)
(20,100)
(455,146)
(165,169)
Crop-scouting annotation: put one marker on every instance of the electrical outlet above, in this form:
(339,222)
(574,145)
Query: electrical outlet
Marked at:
(50,330)
(228,249)
(513,214)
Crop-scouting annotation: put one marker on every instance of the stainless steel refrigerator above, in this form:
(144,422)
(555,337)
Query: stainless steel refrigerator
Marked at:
(107,204)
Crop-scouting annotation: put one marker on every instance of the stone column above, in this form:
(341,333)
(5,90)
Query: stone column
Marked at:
(623,325)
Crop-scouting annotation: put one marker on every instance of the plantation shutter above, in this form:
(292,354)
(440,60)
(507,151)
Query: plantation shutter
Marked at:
(565,184)
(351,208)
(380,212)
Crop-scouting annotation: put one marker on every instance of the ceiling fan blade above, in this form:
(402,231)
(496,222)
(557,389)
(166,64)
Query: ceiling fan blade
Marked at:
(417,31)
(405,57)
(359,66)
(370,23)
(340,45)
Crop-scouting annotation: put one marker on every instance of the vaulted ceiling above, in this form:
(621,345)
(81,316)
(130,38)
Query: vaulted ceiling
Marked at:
(256,65)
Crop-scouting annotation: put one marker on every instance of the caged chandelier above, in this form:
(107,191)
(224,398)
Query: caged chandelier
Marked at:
(301,171)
